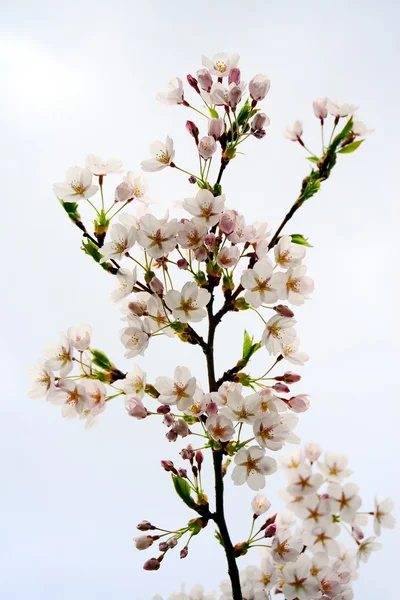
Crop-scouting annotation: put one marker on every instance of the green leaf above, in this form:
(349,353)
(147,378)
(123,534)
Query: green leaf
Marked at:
(313,159)
(218,537)
(182,488)
(101,360)
(244,113)
(298,238)
(351,147)
(71,208)
(342,135)
(247,343)
(213,112)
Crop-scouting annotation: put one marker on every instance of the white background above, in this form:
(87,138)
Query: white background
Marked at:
(80,77)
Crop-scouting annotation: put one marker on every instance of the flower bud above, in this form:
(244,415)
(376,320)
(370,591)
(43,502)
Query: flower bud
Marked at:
(216,128)
(192,81)
(312,451)
(135,408)
(187,453)
(234,95)
(234,76)
(284,311)
(184,552)
(207,147)
(259,122)
(299,403)
(169,420)
(288,377)
(320,108)
(156,286)
(145,526)
(171,436)
(205,79)
(270,530)
(209,240)
(123,192)
(182,473)
(201,254)
(259,505)
(172,542)
(357,533)
(199,458)
(169,466)
(227,221)
(192,179)
(163,547)
(137,308)
(181,428)
(143,542)
(153,564)
(212,408)
(164,409)
(193,130)
(182,264)
(259,87)
(269,521)
(260,134)
(281,387)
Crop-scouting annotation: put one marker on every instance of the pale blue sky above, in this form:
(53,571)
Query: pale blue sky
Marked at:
(80,77)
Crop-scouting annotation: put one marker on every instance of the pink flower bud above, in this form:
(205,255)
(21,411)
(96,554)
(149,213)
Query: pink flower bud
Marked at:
(234,96)
(357,533)
(181,428)
(193,130)
(207,147)
(143,542)
(199,458)
(153,564)
(184,552)
(156,286)
(169,466)
(320,108)
(164,409)
(123,192)
(212,408)
(205,79)
(192,81)
(163,547)
(168,420)
(299,403)
(269,521)
(171,436)
(312,451)
(172,542)
(209,240)
(201,254)
(182,264)
(281,387)
(136,308)
(182,473)
(260,134)
(259,122)
(135,408)
(192,179)
(284,311)
(145,526)
(227,221)
(288,377)
(187,453)
(216,128)
(270,530)
(259,87)
(234,76)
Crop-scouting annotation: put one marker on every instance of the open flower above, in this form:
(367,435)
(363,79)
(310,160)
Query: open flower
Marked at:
(296,286)
(181,388)
(366,547)
(303,481)
(98,166)
(270,432)
(338,108)
(80,337)
(136,187)
(322,538)
(71,395)
(174,92)
(292,353)
(126,280)
(191,234)
(205,207)
(240,408)
(334,468)
(228,257)
(288,254)
(252,466)
(382,516)
(42,379)
(278,332)
(188,305)
(135,382)
(285,547)
(220,428)
(95,395)
(220,64)
(260,505)
(122,240)
(78,185)
(259,87)
(294,131)
(298,582)
(259,283)
(162,156)
(136,337)
(59,356)
(157,236)
(344,500)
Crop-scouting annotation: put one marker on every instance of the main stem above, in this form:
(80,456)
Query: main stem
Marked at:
(219,516)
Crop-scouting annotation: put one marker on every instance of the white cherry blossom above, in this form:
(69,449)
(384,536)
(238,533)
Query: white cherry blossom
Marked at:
(188,305)
(179,390)
(344,500)
(339,108)
(228,257)
(279,332)
(303,481)
(259,283)
(285,547)
(135,382)
(382,516)
(42,379)
(157,236)
(78,185)
(334,468)
(71,396)
(174,92)
(98,166)
(191,234)
(136,337)
(294,131)
(220,428)
(122,240)
(126,280)
(96,393)
(80,337)
(205,207)
(241,409)
(322,538)
(288,254)
(292,353)
(260,505)
(162,156)
(59,356)
(315,510)
(366,547)
(159,319)
(296,285)
(138,187)
(220,64)
(269,431)
(252,466)
(298,581)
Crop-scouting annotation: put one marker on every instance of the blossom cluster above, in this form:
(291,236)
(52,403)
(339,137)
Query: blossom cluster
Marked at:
(170,272)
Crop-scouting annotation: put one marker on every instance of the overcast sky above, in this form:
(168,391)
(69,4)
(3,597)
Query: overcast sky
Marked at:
(80,77)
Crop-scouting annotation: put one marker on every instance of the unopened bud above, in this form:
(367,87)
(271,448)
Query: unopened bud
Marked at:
(171,436)
(182,264)
(234,76)
(212,408)
(137,308)
(164,409)
(193,130)
(299,403)
(227,221)
(269,521)
(181,428)
(201,254)
(284,311)
(184,552)
(182,473)
(156,286)
(187,453)
(259,122)
(281,387)
(143,542)
(234,96)
(199,458)
(172,541)
(259,134)
(216,128)
(145,526)
(153,564)
(209,240)
(163,547)
(357,533)
(192,179)
(205,79)
(270,530)
(169,466)
(192,81)
(169,420)
(288,377)
(259,87)
(207,147)
(123,192)
(312,451)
